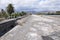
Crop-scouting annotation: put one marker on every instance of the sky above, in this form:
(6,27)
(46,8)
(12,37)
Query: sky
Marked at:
(30,5)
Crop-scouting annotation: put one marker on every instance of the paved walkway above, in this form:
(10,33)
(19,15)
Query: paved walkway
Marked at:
(35,27)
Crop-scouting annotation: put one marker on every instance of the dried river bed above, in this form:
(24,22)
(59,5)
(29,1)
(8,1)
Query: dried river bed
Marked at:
(35,27)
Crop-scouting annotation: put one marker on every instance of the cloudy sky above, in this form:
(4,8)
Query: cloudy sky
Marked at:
(36,5)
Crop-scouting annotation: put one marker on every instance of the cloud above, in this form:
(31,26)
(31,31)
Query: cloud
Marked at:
(18,2)
(50,4)
(38,5)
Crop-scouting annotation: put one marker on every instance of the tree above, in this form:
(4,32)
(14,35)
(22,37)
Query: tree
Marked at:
(10,9)
(2,11)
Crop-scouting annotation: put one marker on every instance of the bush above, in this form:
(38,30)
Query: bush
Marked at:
(5,15)
(1,15)
(23,13)
(14,15)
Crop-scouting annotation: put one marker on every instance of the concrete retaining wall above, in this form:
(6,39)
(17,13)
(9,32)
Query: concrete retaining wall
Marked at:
(6,25)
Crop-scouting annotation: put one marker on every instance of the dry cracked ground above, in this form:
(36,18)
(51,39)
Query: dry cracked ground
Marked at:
(35,27)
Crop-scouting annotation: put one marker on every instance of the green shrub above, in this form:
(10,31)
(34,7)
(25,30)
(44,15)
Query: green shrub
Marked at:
(5,15)
(14,15)
(23,13)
